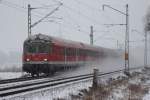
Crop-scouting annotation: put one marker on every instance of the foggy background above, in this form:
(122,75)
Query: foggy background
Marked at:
(72,21)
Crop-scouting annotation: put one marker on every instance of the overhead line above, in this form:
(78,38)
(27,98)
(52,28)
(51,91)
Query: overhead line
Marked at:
(46,16)
(86,5)
(75,11)
(72,19)
(92,20)
(20,8)
(78,30)
(12,6)
(16,5)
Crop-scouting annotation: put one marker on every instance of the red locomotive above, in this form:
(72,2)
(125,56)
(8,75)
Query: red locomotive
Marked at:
(46,54)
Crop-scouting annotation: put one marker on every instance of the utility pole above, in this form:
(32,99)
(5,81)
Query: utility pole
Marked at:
(145,51)
(29,20)
(117,44)
(30,25)
(91,35)
(127,41)
(126,35)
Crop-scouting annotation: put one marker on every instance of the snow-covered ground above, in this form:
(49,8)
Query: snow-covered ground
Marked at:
(120,91)
(147,96)
(10,75)
(60,91)
(119,87)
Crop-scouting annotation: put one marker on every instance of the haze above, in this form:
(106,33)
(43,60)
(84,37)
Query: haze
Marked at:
(71,21)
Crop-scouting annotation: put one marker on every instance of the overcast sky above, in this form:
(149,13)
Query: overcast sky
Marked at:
(71,21)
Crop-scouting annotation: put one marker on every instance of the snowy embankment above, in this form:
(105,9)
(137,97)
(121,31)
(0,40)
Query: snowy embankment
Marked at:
(135,87)
(55,92)
(10,70)
(10,75)
(112,87)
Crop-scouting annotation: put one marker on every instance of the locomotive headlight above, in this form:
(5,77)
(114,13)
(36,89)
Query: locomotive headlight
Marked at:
(45,59)
(28,59)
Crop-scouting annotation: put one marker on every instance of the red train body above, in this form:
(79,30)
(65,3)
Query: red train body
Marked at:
(45,54)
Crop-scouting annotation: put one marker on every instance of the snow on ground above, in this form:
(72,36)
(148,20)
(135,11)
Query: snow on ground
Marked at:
(135,87)
(10,75)
(147,96)
(52,93)
(65,91)
(10,70)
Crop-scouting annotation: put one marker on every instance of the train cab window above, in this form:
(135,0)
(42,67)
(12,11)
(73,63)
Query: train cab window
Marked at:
(30,48)
(43,48)
(37,48)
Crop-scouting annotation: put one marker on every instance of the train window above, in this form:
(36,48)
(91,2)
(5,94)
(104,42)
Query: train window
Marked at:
(82,52)
(37,48)
(77,52)
(31,48)
(43,48)
(62,51)
(57,50)
(68,52)
(71,51)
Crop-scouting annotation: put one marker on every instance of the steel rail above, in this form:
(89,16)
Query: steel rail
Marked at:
(25,89)
(20,79)
(29,84)
(14,80)
(30,87)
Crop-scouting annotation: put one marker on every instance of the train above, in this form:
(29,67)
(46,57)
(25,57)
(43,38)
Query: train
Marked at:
(47,54)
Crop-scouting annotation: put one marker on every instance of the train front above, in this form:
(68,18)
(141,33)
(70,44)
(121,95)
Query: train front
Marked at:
(36,51)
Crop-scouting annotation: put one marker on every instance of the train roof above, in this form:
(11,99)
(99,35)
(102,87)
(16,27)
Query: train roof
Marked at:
(62,42)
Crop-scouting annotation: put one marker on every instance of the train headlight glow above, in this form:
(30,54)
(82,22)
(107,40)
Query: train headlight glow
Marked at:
(28,59)
(45,59)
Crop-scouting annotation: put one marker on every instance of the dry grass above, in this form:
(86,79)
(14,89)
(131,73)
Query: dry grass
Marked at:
(136,91)
(100,93)
(130,91)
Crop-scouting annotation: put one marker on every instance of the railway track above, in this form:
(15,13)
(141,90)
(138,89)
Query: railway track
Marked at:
(14,90)
(5,81)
